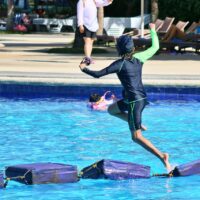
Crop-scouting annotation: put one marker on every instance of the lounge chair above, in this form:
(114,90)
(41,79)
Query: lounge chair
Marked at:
(181,25)
(186,39)
(166,25)
(105,39)
(136,33)
(174,30)
(161,27)
(110,35)
(192,27)
(158,24)
(193,42)
(188,44)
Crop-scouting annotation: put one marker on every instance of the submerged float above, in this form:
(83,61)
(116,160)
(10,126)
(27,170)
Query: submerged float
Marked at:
(43,173)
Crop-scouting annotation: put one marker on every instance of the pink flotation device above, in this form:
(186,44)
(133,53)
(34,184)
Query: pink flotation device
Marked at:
(103,103)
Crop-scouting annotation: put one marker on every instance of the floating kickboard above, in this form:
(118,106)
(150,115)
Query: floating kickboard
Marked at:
(1,181)
(115,170)
(41,173)
(188,169)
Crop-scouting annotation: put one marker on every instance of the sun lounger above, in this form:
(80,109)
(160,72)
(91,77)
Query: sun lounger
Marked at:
(105,39)
(189,39)
(166,25)
(161,27)
(136,33)
(181,25)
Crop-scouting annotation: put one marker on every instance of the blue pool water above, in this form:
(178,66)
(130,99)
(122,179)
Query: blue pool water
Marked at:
(66,131)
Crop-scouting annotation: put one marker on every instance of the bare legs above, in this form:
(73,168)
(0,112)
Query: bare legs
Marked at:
(88,45)
(138,137)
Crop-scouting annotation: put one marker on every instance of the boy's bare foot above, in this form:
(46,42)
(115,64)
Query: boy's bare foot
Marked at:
(166,162)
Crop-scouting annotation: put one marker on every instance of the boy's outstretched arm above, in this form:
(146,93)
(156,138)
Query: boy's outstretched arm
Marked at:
(145,55)
(112,68)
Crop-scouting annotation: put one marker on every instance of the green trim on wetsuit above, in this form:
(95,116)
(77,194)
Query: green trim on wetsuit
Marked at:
(145,55)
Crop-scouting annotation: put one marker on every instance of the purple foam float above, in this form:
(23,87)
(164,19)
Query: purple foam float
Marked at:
(187,169)
(1,181)
(115,170)
(41,173)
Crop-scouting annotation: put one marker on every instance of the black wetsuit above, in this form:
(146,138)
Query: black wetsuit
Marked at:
(129,72)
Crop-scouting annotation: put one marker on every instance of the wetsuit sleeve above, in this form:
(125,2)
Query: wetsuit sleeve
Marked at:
(115,67)
(145,55)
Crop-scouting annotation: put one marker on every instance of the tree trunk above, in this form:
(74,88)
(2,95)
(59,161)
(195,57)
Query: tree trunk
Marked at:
(10,15)
(100,20)
(154,10)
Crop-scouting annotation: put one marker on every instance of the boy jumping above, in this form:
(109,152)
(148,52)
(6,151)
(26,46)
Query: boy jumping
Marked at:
(129,71)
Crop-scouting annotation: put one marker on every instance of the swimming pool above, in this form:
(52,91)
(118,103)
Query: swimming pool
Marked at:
(66,131)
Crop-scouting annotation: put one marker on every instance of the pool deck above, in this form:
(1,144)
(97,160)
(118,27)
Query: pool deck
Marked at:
(23,58)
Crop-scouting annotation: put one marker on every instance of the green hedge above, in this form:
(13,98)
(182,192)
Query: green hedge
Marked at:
(185,10)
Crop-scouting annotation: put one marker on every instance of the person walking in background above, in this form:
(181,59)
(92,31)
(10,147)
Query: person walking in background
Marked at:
(88,24)
(129,71)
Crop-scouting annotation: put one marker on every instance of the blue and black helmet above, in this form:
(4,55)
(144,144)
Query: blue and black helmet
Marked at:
(124,44)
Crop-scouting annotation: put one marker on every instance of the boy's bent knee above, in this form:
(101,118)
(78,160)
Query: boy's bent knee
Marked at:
(136,135)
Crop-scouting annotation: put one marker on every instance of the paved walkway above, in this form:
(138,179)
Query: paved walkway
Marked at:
(23,59)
